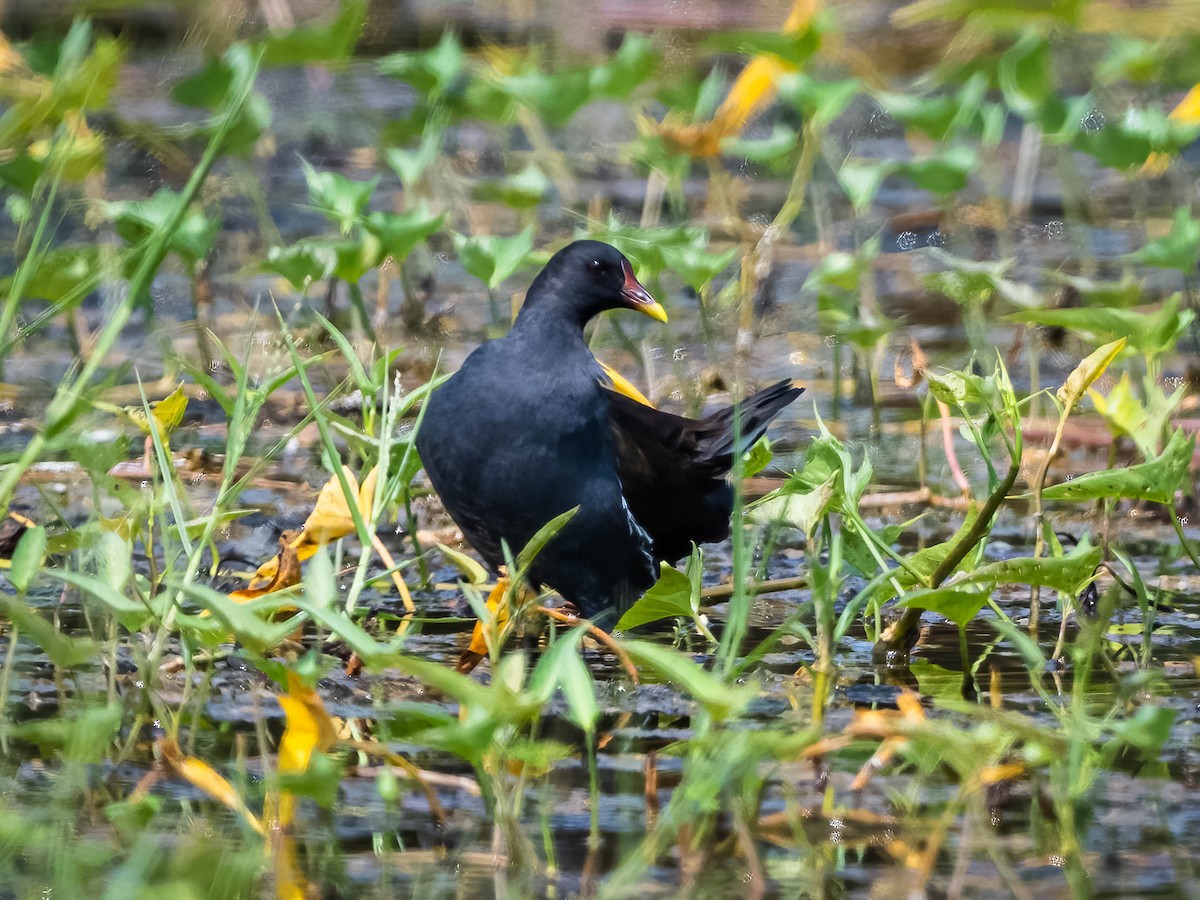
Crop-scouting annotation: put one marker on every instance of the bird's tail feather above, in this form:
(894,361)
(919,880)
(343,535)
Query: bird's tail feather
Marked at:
(756,413)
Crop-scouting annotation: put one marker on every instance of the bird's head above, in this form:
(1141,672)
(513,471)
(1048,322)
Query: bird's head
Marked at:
(588,277)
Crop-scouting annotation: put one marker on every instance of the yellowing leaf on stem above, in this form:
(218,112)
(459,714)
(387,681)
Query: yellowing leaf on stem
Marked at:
(309,726)
(331,518)
(203,776)
(1091,368)
(309,729)
(168,412)
(752,90)
(485,633)
(281,571)
(1187,111)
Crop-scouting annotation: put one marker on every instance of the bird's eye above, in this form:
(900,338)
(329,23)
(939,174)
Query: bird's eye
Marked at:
(595,265)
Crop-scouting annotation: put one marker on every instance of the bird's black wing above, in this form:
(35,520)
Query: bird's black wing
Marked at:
(673,468)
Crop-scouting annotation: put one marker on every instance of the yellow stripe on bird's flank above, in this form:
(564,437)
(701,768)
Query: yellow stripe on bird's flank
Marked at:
(624,386)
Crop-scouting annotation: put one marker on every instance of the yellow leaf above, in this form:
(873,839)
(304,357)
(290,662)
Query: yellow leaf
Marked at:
(484,634)
(202,775)
(753,89)
(1087,372)
(1187,111)
(309,726)
(331,519)
(168,412)
(1004,772)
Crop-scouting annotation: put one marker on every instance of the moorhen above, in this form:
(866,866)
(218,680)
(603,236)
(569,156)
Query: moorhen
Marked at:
(530,427)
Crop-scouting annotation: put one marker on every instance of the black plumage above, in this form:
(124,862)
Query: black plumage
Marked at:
(526,430)
(673,469)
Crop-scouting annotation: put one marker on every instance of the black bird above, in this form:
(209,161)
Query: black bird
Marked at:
(529,428)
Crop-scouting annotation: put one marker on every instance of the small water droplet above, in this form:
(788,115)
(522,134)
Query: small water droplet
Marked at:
(1093,121)
(906,240)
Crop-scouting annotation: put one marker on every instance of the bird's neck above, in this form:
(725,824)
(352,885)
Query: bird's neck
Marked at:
(563,326)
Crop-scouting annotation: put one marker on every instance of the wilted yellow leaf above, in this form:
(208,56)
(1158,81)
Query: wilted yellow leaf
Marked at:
(207,779)
(484,634)
(309,726)
(281,571)
(1187,111)
(994,774)
(1091,368)
(330,519)
(753,89)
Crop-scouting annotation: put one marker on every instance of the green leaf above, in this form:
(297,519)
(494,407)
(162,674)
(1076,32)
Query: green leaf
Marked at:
(1128,142)
(562,667)
(240,618)
(758,457)
(936,681)
(1150,333)
(63,651)
(399,233)
(130,613)
(541,538)
(956,604)
(137,220)
(860,179)
(430,71)
(555,97)
(1156,480)
(493,259)
(320,781)
(78,736)
(1148,729)
(1123,293)
(301,264)
(774,151)
(792,47)
(209,88)
(1178,250)
(818,100)
(959,388)
(672,595)
(696,263)
(308,44)
(802,510)
(27,558)
(1025,75)
(1069,574)
(412,165)
(631,65)
(943,174)
(720,700)
(338,198)
(523,190)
